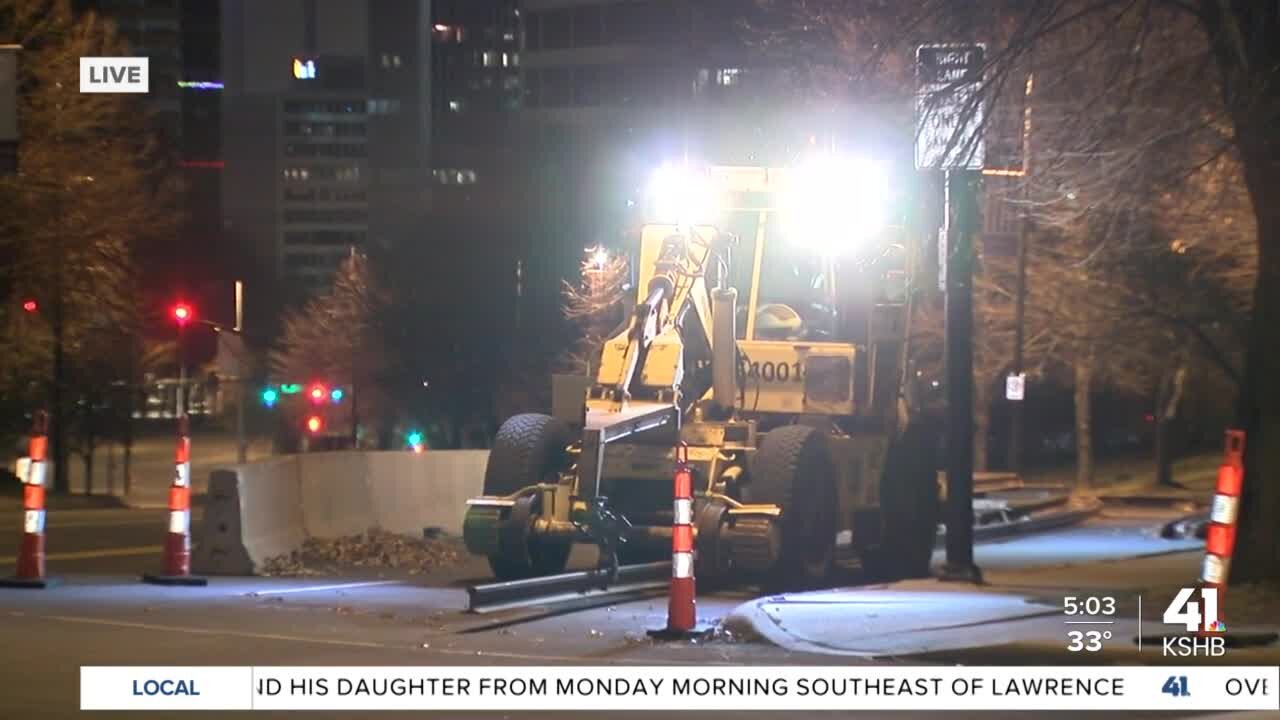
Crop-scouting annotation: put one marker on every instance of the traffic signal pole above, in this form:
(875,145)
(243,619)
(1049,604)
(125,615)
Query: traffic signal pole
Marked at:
(242,391)
(961,214)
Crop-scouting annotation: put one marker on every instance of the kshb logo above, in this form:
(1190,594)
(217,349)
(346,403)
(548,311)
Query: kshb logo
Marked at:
(115,75)
(1195,615)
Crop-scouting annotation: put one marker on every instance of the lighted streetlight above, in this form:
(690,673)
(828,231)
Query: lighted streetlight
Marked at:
(599,257)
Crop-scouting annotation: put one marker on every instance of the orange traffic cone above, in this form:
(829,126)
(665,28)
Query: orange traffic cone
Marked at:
(682,611)
(31,557)
(177,545)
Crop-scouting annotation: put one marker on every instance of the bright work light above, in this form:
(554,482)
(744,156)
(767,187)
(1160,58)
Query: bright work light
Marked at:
(834,204)
(680,195)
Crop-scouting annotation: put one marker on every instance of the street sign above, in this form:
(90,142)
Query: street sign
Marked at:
(949,108)
(1015,386)
(9,109)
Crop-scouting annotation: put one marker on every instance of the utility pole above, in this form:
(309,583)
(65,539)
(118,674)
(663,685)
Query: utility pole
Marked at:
(1017,416)
(58,430)
(949,137)
(961,208)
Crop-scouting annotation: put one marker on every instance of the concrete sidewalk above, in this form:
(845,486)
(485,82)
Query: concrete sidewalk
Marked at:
(1016,618)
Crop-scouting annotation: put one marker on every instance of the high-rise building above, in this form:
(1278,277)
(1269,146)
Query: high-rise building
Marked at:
(475,91)
(326,127)
(153,29)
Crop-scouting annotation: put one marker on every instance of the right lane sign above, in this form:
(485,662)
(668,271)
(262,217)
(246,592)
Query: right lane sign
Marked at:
(949,108)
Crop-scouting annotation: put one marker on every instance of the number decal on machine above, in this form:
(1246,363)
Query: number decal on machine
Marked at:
(780,372)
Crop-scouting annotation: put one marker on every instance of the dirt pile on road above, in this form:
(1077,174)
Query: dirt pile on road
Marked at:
(372,549)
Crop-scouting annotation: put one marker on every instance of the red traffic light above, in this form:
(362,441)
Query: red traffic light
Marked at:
(315,424)
(318,393)
(182,313)
(30,305)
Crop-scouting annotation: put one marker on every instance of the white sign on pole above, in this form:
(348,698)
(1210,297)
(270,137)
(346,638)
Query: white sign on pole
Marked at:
(949,108)
(1015,386)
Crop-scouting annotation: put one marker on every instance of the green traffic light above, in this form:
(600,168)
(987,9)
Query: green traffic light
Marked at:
(290,388)
(336,395)
(269,397)
(414,438)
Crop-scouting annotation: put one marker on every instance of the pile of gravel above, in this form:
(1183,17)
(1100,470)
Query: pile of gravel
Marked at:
(373,548)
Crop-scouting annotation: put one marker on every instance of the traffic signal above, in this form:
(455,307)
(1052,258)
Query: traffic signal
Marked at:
(270,397)
(30,305)
(182,314)
(315,424)
(336,395)
(415,440)
(318,393)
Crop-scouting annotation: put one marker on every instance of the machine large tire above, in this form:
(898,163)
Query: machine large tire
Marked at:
(793,469)
(529,449)
(523,554)
(908,506)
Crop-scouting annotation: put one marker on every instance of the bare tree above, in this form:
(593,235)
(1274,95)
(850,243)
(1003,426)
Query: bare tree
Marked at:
(595,306)
(90,189)
(338,338)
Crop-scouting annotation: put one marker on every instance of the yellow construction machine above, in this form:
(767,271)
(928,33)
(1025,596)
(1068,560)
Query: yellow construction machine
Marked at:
(768,337)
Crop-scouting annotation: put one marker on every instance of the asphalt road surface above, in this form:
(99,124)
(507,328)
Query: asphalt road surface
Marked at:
(101,615)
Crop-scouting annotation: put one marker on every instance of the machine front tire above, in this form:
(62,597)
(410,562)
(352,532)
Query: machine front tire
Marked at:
(908,506)
(529,449)
(793,470)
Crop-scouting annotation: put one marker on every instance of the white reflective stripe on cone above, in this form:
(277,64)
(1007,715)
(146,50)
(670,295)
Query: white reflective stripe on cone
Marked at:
(33,521)
(1214,569)
(36,475)
(683,512)
(1225,509)
(682,565)
(179,521)
(22,468)
(182,475)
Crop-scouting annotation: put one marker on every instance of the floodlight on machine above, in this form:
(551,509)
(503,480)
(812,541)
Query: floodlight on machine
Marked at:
(680,195)
(834,204)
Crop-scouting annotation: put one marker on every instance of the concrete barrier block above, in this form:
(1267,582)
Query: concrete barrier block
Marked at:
(412,491)
(253,512)
(335,494)
(265,509)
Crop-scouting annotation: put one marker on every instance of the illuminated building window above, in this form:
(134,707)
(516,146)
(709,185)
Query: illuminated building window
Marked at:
(304,69)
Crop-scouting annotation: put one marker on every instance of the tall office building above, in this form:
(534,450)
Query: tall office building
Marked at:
(153,29)
(326,119)
(475,93)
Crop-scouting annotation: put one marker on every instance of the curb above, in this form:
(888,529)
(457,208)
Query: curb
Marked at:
(1033,522)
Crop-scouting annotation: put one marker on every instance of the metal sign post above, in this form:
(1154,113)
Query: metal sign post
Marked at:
(949,138)
(9,109)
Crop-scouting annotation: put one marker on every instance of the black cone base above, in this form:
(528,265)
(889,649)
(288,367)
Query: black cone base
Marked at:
(28,583)
(187,580)
(698,632)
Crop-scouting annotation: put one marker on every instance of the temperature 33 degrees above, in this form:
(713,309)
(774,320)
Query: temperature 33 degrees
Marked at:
(1088,621)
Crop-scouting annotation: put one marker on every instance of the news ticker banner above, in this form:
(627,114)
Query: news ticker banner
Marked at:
(680,688)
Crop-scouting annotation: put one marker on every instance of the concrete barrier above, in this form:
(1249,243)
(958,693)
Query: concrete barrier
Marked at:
(411,491)
(265,509)
(252,512)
